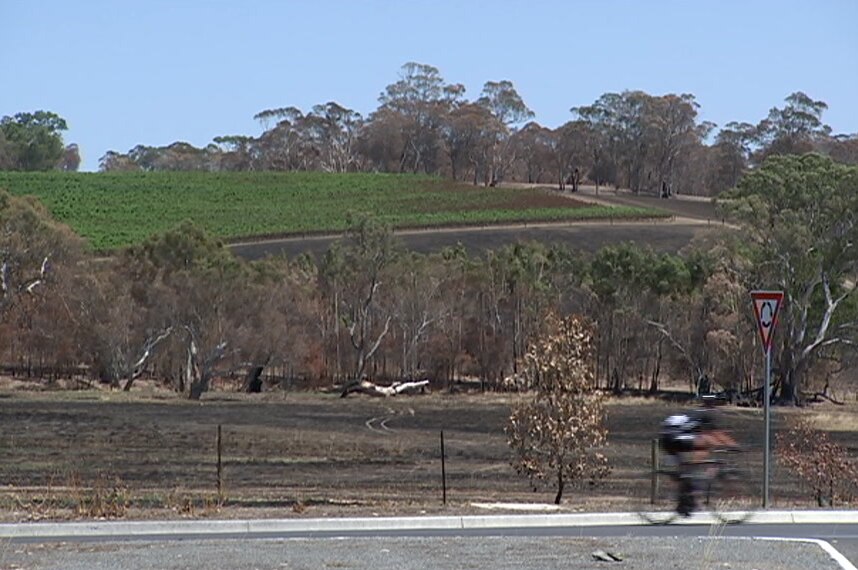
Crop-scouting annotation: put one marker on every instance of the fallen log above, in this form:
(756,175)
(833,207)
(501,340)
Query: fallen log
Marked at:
(372,389)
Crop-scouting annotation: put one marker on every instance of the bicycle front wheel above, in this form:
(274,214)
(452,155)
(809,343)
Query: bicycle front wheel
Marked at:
(732,496)
(656,497)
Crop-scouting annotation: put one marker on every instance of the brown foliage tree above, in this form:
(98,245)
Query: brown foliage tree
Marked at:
(557,434)
(818,461)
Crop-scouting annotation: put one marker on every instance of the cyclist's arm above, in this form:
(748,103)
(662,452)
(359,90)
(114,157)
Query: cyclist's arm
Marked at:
(719,438)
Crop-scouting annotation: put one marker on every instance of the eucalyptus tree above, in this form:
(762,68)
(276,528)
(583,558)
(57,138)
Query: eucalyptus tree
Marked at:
(113,161)
(32,246)
(641,140)
(33,141)
(331,132)
(797,214)
(417,306)
(70,160)
(359,267)
(202,293)
(280,147)
(672,131)
(234,152)
(469,132)
(731,155)
(127,322)
(616,116)
(630,287)
(457,310)
(509,110)
(422,98)
(569,153)
(532,149)
(516,294)
(616,280)
(40,261)
(842,148)
(7,158)
(383,139)
(794,128)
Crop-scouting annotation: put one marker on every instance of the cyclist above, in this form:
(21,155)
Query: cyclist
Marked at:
(688,440)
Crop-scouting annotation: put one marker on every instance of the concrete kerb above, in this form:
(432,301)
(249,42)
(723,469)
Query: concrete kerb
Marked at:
(333,525)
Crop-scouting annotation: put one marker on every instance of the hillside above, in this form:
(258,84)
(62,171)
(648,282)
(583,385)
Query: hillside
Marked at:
(113,210)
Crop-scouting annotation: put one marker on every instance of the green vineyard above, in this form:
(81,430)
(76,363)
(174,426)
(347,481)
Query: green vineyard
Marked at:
(112,210)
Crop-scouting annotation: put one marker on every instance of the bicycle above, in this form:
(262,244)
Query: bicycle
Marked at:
(721,488)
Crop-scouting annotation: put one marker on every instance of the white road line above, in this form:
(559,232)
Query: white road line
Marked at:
(824,545)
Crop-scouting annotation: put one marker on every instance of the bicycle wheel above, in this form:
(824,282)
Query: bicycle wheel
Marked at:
(656,499)
(732,497)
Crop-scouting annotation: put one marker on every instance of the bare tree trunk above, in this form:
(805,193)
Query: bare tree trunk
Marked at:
(560,484)
(253,380)
(653,386)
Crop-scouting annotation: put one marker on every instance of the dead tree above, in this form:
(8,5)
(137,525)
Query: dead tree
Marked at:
(148,349)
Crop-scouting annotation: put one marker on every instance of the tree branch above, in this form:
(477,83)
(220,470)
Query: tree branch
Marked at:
(830,306)
(663,330)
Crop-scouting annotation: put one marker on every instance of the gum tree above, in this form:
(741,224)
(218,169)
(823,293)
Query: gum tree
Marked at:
(798,218)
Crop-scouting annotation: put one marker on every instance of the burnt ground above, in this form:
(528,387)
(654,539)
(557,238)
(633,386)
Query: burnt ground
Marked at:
(304,454)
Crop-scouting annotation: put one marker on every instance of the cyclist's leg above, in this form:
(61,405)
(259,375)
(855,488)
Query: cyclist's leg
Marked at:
(686,501)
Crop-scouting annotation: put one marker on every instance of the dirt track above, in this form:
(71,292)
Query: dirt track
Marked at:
(693,217)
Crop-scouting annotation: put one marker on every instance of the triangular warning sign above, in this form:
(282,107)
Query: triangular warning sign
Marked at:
(766,307)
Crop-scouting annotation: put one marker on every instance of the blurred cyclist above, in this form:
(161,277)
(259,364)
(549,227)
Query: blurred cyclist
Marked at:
(688,440)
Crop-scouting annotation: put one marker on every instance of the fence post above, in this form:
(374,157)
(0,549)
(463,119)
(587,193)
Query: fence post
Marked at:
(219,463)
(654,463)
(443,471)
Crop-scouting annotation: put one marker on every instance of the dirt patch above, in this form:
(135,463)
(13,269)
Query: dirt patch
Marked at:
(301,454)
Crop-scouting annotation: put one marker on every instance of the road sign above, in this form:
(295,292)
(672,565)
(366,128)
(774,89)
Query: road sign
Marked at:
(766,307)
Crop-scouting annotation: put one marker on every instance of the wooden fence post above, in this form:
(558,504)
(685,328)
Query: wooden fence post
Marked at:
(219,464)
(443,471)
(654,463)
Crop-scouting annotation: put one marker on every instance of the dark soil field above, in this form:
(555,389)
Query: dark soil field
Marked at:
(692,218)
(86,454)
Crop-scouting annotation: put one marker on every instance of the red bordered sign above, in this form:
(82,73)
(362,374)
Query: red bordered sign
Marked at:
(766,307)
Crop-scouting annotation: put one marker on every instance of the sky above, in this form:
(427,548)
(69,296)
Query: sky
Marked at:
(154,72)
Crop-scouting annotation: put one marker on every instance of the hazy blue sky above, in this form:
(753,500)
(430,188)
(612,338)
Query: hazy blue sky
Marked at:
(156,71)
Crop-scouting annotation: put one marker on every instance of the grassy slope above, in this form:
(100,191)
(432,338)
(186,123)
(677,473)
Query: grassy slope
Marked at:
(116,209)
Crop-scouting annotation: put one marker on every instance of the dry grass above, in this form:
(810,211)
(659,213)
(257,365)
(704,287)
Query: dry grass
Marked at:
(833,418)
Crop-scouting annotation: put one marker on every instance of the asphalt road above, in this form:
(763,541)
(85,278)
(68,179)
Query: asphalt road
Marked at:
(496,553)
(744,547)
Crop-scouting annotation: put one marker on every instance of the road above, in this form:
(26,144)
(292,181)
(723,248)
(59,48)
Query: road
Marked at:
(523,542)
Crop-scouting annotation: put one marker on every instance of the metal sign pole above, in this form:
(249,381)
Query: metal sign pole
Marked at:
(766,307)
(767,394)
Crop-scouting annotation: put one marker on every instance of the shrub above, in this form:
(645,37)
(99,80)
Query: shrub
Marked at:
(818,461)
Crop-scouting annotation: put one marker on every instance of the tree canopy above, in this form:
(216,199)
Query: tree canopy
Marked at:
(798,215)
(32,141)
(425,124)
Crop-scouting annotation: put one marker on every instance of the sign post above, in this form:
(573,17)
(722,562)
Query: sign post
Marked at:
(766,307)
